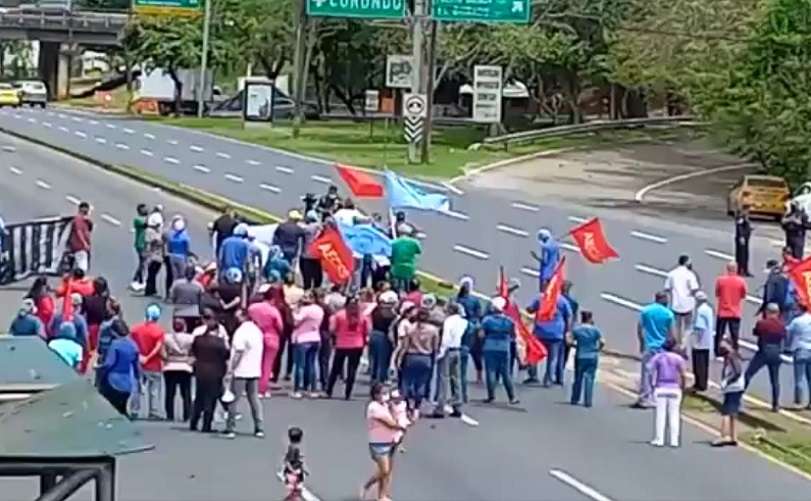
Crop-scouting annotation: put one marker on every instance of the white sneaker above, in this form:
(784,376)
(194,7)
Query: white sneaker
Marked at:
(137,286)
(657,444)
(259,434)
(297,395)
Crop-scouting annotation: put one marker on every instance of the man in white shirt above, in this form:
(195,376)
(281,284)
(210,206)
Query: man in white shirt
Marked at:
(702,341)
(244,370)
(681,284)
(348,215)
(449,362)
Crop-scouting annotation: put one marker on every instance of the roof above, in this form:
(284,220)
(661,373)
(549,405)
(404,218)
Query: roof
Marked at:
(27,364)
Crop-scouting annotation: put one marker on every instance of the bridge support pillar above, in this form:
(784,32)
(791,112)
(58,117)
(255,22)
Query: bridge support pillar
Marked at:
(54,68)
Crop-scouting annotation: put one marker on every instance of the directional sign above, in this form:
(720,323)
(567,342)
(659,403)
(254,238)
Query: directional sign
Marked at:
(494,11)
(487,89)
(167,7)
(369,9)
(413,128)
(415,105)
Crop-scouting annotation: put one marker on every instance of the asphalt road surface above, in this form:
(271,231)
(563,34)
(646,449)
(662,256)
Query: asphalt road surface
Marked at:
(543,449)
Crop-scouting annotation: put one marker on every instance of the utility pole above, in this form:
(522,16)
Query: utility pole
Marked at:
(419,82)
(299,65)
(429,116)
(201,89)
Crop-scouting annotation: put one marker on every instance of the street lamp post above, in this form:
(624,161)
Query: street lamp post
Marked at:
(201,89)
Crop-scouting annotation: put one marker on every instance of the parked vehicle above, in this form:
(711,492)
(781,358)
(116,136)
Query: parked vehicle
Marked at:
(32,92)
(9,96)
(765,195)
(159,87)
(283,107)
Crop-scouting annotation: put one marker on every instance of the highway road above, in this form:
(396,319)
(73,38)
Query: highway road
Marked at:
(542,449)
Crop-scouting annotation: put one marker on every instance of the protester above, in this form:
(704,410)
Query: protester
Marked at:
(234,250)
(574,307)
(548,258)
(266,315)
(64,344)
(155,257)
(26,323)
(383,430)
(472,342)
(210,353)
(413,291)
(498,331)
(656,325)
(668,374)
(350,330)
(402,226)
(799,331)
(449,363)
(185,289)
(732,385)
(289,236)
(588,342)
(78,245)
(682,284)
(149,337)
(775,290)
(40,294)
(292,292)
(404,252)
(245,368)
(702,341)
(770,332)
(552,334)
(730,292)
(229,297)
(178,248)
(328,203)
(94,307)
(177,368)
(306,340)
(794,224)
(312,276)
(79,322)
(276,265)
(381,346)
(139,244)
(119,374)
(75,282)
(107,334)
(349,215)
(419,347)
(281,302)
(743,231)
(223,227)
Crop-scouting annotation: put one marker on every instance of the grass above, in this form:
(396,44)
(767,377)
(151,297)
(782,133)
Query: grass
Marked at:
(120,98)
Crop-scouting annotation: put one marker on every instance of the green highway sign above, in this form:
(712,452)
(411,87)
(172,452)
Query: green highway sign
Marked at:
(167,7)
(492,11)
(369,9)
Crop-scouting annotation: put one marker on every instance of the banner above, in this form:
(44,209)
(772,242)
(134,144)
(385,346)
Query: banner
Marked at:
(591,240)
(360,183)
(548,305)
(800,274)
(531,351)
(404,194)
(336,258)
(33,248)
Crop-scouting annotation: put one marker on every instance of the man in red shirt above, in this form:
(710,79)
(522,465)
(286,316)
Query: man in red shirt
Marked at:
(79,239)
(149,336)
(730,291)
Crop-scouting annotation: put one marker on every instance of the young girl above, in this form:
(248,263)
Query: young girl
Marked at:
(732,385)
(294,471)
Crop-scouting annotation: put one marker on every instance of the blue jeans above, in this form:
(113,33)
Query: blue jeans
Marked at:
(465,354)
(380,350)
(554,349)
(802,374)
(416,377)
(304,356)
(585,370)
(497,365)
(768,355)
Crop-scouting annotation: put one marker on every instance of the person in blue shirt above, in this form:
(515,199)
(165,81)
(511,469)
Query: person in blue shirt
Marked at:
(656,322)
(178,247)
(121,371)
(234,250)
(498,332)
(471,342)
(276,262)
(588,341)
(79,321)
(574,306)
(26,323)
(549,257)
(64,344)
(552,334)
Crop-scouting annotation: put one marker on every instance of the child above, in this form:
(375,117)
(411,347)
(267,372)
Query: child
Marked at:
(399,410)
(294,470)
(732,385)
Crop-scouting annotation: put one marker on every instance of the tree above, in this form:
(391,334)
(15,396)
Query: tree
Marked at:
(265,30)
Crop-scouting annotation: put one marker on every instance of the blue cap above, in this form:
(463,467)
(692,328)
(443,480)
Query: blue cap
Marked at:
(153,312)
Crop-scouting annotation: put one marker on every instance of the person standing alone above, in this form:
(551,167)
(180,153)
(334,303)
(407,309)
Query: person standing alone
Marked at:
(730,291)
(743,230)
(702,341)
(79,238)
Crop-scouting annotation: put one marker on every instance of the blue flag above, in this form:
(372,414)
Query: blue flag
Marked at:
(366,239)
(405,194)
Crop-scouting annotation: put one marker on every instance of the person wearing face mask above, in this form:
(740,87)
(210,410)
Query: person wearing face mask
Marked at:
(178,248)
(681,284)
(383,432)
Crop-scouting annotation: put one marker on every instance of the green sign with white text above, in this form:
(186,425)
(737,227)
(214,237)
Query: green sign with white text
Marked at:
(167,7)
(369,9)
(488,11)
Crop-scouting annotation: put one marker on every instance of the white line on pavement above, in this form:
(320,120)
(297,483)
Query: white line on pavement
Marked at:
(122,146)
(471,252)
(9,149)
(453,189)
(171,160)
(72,199)
(529,271)
(285,170)
(101,140)
(110,219)
(32,120)
(77,119)
(455,215)
(321,179)
(15,171)
(42,184)
(63,128)
(523,206)
(173,142)
(578,485)
(648,236)
(80,134)
(94,122)
(47,124)
(61,115)
(753,299)
(196,148)
(270,188)
(650,270)
(639,196)
(234,178)
(223,155)
(253,162)
(110,126)
(719,254)
(777,243)
(577,219)
(202,168)
(627,303)
(149,136)
(512,230)
(129,131)
(147,153)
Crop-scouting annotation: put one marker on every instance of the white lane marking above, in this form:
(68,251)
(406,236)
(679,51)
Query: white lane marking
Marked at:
(578,485)
(719,254)
(110,219)
(523,206)
(129,131)
(529,271)
(80,134)
(422,235)
(627,303)
(9,149)
(196,148)
(306,494)
(147,153)
(171,160)
(50,113)
(569,247)
(754,299)
(648,236)
(471,252)
(453,189)
(61,115)
(15,171)
(202,168)
(101,140)
(42,184)
(47,124)
(94,122)
(17,115)
(285,170)
(63,128)
(639,196)
(149,136)
(650,270)
(223,155)
(270,188)
(456,215)
(777,243)
(234,178)
(253,162)
(110,126)
(72,199)
(577,219)
(122,146)
(173,142)
(321,179)
(77,119)
(512,230)
(32,120)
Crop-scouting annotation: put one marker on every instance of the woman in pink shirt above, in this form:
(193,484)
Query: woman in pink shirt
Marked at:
(383,431)
(350,331)
(306,339)
(269,320)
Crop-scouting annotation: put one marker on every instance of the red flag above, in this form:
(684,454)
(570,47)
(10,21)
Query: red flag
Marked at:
(800,274)
(534,350)
(549,300)
(360,183)
(591,240)
(335,256)
(503,286)
(67,302)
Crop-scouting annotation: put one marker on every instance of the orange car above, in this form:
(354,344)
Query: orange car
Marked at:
(765,195)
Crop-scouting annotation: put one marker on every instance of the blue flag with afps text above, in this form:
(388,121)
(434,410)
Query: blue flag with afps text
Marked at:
(405,194)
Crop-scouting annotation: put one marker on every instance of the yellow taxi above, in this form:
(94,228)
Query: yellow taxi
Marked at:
(9,95)
(765,195)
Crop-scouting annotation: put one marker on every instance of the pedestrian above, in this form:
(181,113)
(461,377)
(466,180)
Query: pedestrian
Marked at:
(776,288)
(276,265)
(329,202)
(94,307)
(732,385)
(306,340)
(350,331)
(266,315)
(149,337)
(703,333)
(799,331)
(229,296)
(656,325)
(64,344)
(381,346)
(730,292)
(178,249)
(383,430)
(155,257)
(78,245)
(223,227)
(471,342)
(40,293)
(139,244)
(119,373)
(407,314)
(588,342)
(186,290)
(402,226)
(498,332)
(743,231)
(281,302)
(234,250)
(210,353)
(770,332)
(449,362)
(405,250)
(107,335)
(245,367)
(419,347)
(289,236)
(414,291)
(26,323)
(548,258)
(794,224)
(668,374)
(574,307)
(682,284)
(312,276)
(75,282)
(177,368)
(552,334)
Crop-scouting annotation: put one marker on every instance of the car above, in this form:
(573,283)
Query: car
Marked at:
(283,107)
(9,96)
(765,196)
(33,92)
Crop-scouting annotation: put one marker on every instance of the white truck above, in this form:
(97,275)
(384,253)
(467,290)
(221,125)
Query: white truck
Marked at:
(159,87)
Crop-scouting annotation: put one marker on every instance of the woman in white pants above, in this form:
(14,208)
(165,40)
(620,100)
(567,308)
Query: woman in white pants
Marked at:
(668,370)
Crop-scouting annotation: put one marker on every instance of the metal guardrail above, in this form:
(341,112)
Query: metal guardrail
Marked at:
(599,125)
(77,21)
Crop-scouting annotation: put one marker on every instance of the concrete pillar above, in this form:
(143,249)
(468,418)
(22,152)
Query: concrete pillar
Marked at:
(63,72)
(54,68)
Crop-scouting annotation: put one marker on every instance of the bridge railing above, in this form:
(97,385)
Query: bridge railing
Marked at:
(84,21)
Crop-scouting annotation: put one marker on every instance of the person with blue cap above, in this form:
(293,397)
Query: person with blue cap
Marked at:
(276,263)
(149,337)
(234,250)
(549,257)
(26,323)
(229,293)
(65,345)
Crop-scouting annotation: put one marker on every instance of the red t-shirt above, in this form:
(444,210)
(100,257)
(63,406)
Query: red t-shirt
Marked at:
(80,234)
(148,335)
(770,330)
(730,291)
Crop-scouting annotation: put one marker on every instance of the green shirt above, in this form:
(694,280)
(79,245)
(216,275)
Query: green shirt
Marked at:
(139,225)
(404,252)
